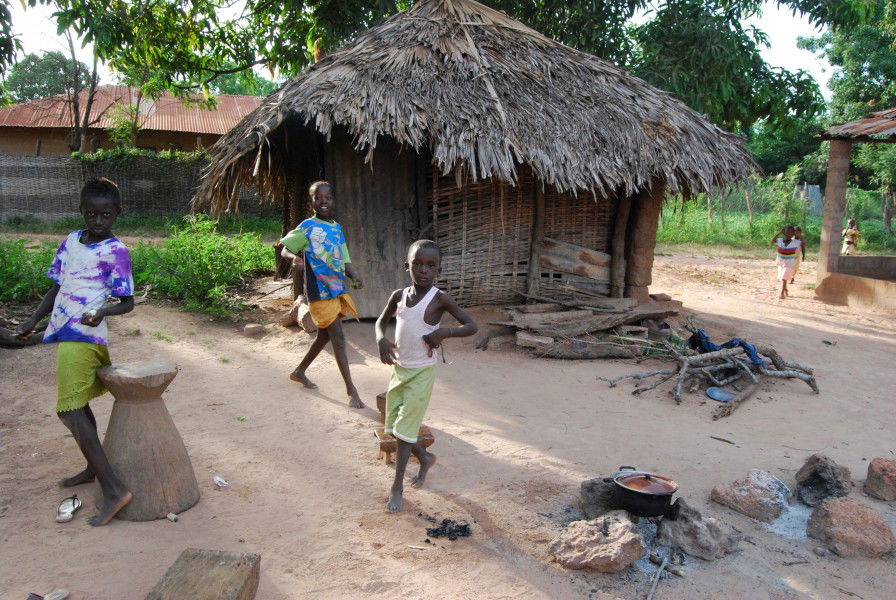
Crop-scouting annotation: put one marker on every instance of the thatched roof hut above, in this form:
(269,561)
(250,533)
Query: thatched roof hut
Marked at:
(452,111)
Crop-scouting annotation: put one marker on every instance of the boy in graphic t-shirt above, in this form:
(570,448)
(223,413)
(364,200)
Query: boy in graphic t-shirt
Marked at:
(318,246)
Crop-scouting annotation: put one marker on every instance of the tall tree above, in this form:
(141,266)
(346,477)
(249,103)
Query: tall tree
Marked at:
(705,56)
(243,83)
(44,75)
(192,43)
(865,61)
(8,42)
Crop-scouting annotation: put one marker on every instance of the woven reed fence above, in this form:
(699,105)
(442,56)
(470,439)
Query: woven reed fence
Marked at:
(48,187)
(484,229)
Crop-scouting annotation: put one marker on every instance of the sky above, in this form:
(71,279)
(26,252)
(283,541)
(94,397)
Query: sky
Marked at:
(38,33)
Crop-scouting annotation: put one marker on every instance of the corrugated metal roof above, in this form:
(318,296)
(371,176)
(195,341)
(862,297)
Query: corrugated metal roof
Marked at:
(879,125)
(165,114)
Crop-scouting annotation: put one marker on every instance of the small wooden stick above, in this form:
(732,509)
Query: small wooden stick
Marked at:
(638,376)
(728,408)
(656,577)
(655,384)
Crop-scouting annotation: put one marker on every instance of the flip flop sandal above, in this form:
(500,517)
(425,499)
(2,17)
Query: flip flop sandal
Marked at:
(720,395)
(59,594)
(65,512)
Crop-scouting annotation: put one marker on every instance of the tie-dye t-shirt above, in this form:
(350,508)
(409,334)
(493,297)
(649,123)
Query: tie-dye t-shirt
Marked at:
(87,275)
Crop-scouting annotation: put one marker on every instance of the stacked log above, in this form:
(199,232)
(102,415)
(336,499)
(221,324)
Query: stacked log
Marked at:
(577,326)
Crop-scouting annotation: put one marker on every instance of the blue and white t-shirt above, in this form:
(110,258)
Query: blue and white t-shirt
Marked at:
(87,275)
(325,254)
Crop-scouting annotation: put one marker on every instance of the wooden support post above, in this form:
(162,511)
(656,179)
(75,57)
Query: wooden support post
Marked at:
(834,207)
(533,276)
(642,242)
(617,264)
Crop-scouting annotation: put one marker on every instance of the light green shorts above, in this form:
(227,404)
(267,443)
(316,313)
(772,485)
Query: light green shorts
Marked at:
(76,379)
(407,401)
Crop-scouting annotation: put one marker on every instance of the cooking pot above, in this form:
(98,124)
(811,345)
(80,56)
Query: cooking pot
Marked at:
(643,494)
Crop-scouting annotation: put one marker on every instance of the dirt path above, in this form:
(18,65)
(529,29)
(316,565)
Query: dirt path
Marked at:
(515,436)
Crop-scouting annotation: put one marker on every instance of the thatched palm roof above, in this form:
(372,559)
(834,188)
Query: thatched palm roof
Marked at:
(484,93)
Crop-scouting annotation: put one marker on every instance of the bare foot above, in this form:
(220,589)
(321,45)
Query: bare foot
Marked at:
(110,509)
(85,476)
(355,400)
(395,501)
(299,376)
(429,459)
(782,296)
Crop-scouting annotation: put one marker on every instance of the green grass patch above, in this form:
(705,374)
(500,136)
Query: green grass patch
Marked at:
(198,265)
(162,336)
(23,270)
(739,233)
(146,225)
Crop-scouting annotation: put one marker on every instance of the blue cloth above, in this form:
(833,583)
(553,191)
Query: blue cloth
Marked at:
(326,255)
(700,341)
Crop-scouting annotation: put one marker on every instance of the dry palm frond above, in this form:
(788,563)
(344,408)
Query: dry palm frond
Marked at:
(483,93)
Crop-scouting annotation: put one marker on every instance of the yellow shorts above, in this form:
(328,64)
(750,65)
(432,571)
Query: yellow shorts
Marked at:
(76,379)
(407,401)
(324,312)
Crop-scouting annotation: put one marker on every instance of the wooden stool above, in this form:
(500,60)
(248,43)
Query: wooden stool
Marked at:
(388,444)
(381,406)
(143,445)
(209,575)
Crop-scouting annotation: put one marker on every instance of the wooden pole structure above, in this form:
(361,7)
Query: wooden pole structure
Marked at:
(834,207)
(617,264)
(642,243)
(533,275)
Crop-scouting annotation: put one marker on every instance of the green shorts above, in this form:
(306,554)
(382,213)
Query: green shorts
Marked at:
(407,401)
(76,379)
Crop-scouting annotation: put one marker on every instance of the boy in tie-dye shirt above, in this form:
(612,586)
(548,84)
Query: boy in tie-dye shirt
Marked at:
(91,268)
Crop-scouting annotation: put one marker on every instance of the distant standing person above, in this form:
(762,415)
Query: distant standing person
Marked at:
(418,312)
(787,247)
(801,255)
(318,246)
(850,237)
(91,266)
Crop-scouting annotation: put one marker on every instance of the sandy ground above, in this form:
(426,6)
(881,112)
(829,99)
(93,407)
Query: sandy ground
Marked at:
(515,436)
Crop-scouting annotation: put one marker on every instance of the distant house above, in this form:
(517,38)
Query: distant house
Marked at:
(43,127)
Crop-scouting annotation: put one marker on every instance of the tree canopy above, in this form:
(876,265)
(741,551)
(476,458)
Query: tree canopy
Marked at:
(44,75)
(865,79)
(189,44)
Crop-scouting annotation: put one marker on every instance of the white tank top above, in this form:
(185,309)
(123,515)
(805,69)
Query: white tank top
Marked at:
(413,352)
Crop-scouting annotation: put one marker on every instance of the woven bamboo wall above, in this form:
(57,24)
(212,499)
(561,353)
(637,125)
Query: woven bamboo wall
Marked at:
(485,229)
(48,187)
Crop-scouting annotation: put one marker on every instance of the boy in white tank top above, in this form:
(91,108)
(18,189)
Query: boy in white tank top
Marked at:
(418,310)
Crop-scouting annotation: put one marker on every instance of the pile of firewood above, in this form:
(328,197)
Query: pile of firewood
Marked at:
(719,368)
(576,325)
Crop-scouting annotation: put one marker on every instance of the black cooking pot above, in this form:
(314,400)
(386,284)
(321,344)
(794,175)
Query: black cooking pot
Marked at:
(643,494)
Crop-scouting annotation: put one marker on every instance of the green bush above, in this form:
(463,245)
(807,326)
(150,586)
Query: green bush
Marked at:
(144,225)
(23,270)
(197,265)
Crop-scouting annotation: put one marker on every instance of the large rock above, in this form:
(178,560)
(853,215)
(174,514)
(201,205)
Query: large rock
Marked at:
(606,545)
(759,495)
(850,528)
(821,478)
(598,497)
(695,534)
(881,482)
